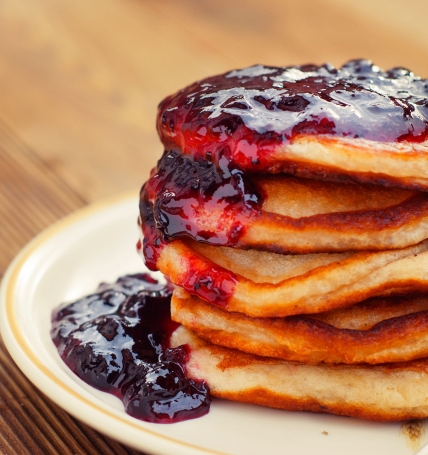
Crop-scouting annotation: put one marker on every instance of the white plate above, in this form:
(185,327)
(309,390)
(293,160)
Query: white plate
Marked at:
(97,244)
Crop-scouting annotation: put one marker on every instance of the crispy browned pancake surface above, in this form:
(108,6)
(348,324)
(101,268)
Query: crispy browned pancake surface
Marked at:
(273,285)
(309,216)
(303,216)
(388,392)
(402,164)
(380,330)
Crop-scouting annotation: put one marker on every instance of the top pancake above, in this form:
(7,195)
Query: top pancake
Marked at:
(356,122)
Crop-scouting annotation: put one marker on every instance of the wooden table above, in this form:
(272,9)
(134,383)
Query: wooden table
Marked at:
(79,86)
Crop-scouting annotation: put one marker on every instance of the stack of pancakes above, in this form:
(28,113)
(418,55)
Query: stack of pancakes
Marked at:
(290,209)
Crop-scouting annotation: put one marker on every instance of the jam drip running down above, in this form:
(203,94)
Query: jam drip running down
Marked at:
(116,341)
(207,199)
(253,110)
(216,130)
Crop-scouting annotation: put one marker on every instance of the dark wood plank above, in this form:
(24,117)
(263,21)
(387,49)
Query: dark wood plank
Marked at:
(31,198)
(31,195)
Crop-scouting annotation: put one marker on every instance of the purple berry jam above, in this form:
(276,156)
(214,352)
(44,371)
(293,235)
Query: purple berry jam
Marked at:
(252,110)
(116,340)
(218,131)
(176,200)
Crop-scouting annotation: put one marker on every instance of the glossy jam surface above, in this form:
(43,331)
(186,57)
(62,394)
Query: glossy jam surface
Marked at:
(252,110)
(208,281)
(116,341)
(219,130)
(207,200)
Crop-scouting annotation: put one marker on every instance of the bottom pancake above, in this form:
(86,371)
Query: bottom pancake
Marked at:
(378,330)
(389,392)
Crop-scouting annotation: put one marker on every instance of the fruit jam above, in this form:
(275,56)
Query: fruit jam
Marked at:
(251,111)
(116,341)
(208,200)
(217,130)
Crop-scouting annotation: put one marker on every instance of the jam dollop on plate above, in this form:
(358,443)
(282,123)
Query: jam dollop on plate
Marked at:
(116,340)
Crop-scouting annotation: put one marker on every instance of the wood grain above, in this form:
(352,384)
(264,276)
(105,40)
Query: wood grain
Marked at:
(79,86)
(32,196)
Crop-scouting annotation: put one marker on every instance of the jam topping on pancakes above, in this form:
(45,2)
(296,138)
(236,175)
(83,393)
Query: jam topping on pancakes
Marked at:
(219,131)
(252,111)
(181,195)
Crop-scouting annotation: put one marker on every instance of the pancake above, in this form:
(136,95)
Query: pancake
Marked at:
(290,209)
(223,136)
(379,330)
(388,392)
(262,284)
(306,216)
(356,122)
(303,216)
